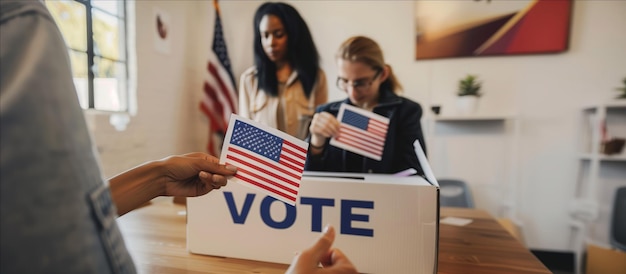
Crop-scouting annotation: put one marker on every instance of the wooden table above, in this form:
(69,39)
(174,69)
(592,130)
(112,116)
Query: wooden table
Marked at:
(155,236)
(483,246)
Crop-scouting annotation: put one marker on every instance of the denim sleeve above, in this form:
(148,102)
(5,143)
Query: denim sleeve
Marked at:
(56,211)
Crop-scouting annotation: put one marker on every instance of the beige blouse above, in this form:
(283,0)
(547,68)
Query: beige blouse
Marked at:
(296,109)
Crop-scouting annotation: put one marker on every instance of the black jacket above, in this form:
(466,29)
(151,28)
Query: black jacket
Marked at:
(398,155)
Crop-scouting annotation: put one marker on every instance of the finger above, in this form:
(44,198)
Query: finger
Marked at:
(330,124)
(219,180)
(332,131)
(202,155)
(338,258)
(329,118)
(327,259)
(324,130)
(212,160)
(214,167)
(337,262)
(333,123)
(206,179)
(315,120)
(205,176)
(213,181)
(323,243)
(316,124)
(325,115)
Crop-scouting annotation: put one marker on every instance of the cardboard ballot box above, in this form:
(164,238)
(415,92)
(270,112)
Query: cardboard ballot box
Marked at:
(384,224)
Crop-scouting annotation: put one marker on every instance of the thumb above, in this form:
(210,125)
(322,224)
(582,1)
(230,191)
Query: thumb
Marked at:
(324,242)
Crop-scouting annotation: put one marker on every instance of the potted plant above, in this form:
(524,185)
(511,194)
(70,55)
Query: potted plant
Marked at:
(622,90)
(468,94)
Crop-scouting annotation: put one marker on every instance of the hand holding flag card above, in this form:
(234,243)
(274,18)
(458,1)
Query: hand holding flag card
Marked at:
(266,159)
(362,132)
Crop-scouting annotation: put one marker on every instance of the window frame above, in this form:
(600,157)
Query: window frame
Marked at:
(91,55)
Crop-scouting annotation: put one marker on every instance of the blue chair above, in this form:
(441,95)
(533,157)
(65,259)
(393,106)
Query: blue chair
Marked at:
(455,193)
(618,221)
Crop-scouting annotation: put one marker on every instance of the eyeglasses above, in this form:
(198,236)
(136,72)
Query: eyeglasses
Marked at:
(361,84)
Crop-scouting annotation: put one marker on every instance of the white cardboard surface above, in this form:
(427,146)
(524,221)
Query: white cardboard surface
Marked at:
(402,220)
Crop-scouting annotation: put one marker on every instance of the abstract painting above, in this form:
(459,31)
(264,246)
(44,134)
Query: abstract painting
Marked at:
(462,28)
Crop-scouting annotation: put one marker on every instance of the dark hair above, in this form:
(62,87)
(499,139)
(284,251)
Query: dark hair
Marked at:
(302,54)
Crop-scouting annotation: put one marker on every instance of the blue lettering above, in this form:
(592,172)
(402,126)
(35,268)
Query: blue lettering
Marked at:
(347,217)
(239,218)
(316,210)
(290,217)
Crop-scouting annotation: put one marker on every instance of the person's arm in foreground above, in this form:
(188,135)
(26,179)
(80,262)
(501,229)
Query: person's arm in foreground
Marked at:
(188,175)
(332,259)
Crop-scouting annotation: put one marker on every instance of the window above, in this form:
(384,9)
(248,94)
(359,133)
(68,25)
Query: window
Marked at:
(95,34)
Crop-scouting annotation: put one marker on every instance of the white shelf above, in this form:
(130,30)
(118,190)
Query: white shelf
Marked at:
(617,103)
(599,174)
(461,118)
(617,158)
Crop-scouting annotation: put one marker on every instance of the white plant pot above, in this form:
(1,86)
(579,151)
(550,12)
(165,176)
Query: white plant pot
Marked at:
(466,105)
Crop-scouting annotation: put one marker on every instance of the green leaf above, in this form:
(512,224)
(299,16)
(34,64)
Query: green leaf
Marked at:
(469,86)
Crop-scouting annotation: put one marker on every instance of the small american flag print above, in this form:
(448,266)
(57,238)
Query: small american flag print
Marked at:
(266,159)
(360,131)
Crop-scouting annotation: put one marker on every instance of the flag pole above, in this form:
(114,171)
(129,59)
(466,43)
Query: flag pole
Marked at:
(216,6)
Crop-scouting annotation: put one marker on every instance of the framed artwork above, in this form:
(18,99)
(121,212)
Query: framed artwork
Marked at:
(162,35)
(462,28)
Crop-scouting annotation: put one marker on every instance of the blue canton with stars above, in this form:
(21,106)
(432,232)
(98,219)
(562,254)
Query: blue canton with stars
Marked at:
(354,119)
(256,140)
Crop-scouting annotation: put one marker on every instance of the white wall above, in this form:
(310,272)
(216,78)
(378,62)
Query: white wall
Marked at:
(167,120)
(546,92)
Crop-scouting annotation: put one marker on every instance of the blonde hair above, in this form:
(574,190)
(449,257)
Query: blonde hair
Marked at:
(365,50)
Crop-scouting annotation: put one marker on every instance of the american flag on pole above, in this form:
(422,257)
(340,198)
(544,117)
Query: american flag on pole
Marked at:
(266,159)
(360,131)
(220,96)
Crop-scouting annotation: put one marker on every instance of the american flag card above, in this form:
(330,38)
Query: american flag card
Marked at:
(267,159)
(360,131)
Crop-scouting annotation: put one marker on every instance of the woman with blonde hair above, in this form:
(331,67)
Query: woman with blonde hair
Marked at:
(370,85)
